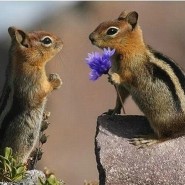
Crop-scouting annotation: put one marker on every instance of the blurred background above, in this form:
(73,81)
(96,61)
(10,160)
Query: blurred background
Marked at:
(74,108)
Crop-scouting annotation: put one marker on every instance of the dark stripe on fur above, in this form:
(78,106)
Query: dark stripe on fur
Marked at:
(163,76)
(6,90)
(4,98)
(176,69)
(15,110)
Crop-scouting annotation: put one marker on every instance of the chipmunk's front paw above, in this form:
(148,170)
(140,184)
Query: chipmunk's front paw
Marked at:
(113,112)
(114,79)
(55,80)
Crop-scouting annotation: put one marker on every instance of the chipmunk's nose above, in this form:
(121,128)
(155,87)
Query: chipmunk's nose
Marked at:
(91,37)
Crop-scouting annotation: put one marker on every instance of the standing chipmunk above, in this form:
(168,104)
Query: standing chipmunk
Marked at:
(155,82)
(26,89)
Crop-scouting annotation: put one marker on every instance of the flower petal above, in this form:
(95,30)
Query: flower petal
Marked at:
(94,75)
(99,63)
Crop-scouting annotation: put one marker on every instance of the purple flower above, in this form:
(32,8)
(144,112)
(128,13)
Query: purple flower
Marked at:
(99,63)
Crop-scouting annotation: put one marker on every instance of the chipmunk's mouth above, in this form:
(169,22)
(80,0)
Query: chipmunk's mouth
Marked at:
(94,40)
(97,43)
(91,38)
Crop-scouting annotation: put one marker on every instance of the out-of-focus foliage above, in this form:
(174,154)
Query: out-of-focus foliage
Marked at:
(10,169)
(50,179)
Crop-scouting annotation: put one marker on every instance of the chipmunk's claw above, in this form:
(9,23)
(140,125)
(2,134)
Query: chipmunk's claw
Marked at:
(143,141)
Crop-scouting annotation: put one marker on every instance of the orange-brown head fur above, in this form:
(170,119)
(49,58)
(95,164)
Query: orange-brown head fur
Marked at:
(125,36)
(29,54)
(34,49)
(26,89)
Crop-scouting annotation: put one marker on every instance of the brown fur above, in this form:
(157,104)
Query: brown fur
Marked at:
(29,87)
(132,72)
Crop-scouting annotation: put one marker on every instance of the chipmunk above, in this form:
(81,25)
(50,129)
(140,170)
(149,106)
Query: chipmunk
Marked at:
(155,82)
(26,89)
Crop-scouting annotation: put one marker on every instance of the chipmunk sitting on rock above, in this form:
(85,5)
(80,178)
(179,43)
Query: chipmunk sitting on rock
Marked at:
(155,82)
(26,89)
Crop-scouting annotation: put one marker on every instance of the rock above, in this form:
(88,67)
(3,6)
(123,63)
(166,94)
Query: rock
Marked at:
(121,163)
(31,178)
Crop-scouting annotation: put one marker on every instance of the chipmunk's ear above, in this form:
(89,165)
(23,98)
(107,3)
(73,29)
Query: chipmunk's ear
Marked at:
(132,18)
(19,35)
(123,15)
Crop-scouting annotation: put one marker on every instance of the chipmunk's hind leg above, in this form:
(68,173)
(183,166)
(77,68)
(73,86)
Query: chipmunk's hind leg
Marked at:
(143,141)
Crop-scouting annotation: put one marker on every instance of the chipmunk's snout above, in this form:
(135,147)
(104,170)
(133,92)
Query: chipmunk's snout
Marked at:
(92,38)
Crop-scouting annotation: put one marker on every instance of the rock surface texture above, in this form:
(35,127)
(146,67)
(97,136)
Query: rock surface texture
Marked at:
(121,163)
(31,178)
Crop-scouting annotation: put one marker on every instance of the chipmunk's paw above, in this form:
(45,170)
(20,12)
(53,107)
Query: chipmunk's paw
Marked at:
(144,141)
(114,79)
(113,112)
(55,80)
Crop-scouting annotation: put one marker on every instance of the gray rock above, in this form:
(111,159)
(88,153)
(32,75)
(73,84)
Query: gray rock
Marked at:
(120,163)
(31,178)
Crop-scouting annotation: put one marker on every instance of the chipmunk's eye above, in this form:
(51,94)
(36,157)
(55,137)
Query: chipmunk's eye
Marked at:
(46,41)
(112,30)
